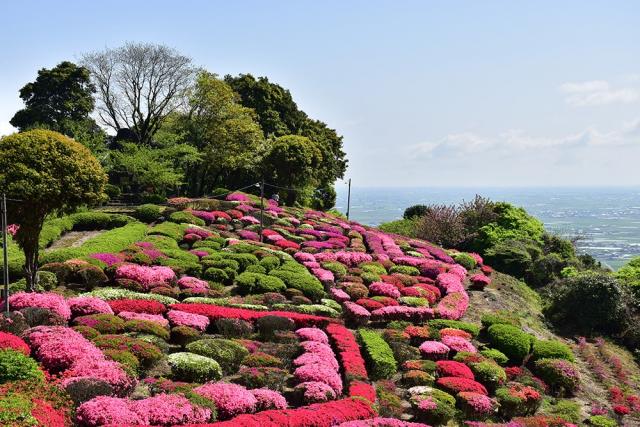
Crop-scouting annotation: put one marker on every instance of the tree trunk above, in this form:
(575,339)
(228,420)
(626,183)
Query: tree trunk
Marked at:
(31,268)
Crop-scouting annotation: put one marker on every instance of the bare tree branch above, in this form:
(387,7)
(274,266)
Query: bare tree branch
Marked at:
(138,85)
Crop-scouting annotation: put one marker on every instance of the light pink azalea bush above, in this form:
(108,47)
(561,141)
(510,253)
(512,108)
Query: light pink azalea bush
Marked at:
(161,410)
(316,392)
(312,334)
(339,295)
(188,282)
(400,312)
(384,289)
(268,399)
(434,350)
(458,344)
(48,300)
(230,399)
(83,306)
(61,349)
(181,318)
(148,277)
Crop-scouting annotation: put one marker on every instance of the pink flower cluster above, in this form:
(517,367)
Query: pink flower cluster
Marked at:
(188,282)
(182,318)
(312,334)
(160,410)
(449,283)
(62,349)
(381,422)
(400,312)
(318,364)
(230,399)
(356,312)
(458,344)
(248,219)
(478,402)
(200,232)
(384,289)
(453,305)
(316,392)
(238,197)
(480,281)
(146,276)
(339,295)
(249,235)
(48,300)
(108,258)
(268,399)
(323,275)
(434,350)
(130,315)
(82,306)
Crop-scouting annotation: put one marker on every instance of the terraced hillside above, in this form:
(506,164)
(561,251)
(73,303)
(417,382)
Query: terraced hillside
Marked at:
(205,317)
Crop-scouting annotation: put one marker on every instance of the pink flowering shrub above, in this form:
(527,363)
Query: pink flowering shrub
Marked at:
(356,312)
(384,289)
(238,197)
(312,334)
(182,318)
(400,312)
(200,232)
(83,306)
(449,283)
(319,373)
(51,301)
(323,275)
(248,219)
(480,281)
(381,422)
(316,359)
(453,305)
(160,410)
(188,282)
(230,399)
(64,350)
(148,277)
(268,399)
(434,350)
(458,344)
(108,258)
(476,405)
(249,235)
(130,315)
(339,295)
(315,392)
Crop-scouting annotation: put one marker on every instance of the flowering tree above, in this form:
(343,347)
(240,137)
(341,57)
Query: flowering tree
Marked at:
(49,173)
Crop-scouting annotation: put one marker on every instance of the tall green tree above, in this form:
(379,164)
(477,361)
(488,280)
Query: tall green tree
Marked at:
(48,173)
(293,162)
(61,99)
(279,115)
(226,134)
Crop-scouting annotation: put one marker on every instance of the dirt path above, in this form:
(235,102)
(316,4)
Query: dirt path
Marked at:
(73,239)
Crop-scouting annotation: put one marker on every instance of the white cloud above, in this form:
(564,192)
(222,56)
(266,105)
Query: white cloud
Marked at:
(516,143)
(6,128)
(597,92)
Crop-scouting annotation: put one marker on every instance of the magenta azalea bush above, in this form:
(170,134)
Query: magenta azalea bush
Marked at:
(51,301)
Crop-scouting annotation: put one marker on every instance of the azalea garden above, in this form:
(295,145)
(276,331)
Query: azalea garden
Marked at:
(210,318)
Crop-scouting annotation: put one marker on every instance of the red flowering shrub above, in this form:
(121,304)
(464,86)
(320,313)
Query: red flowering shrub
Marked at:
(369,304)
(137,306)
(362,389)
(13,342)
(348,351)
(455,385)
(450,368)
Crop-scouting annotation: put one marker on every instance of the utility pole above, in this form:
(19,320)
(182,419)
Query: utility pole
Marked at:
(261,208)
(5,257)
(349,198)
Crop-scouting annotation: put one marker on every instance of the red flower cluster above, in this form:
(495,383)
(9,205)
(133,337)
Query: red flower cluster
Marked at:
(456,385)
(317,415)
(214,312)
(137,306)
(13,342)
(451,368)
(362,389)
(348,351)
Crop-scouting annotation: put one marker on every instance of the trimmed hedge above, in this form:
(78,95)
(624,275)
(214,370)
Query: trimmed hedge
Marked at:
(193,367)
(299,278)
(471,328)
(183,217)
(15,366)
(513,342)
(147,213)
(229,354)
(169,229)
(551,350)
(378,353)
(257,283)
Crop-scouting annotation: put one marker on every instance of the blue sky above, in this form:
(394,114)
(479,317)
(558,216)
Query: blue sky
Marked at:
(426,93)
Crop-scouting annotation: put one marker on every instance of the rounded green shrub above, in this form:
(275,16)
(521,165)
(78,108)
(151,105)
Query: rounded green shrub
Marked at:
(147,327)
(471,328)
(256,283)
(499,317)
(256,268)
(373,267)
(496,355)
(182,217)
(602,421)
(103,323)
(234,328)
(369,277)
(378,354)
(193,367)
(270,262)
(465,260)
(147,213)
(552,349)
(263,376)
(216,275)
(146,352)
(15,366)
(301,280)
(489,373)
(227,353)
(513,342)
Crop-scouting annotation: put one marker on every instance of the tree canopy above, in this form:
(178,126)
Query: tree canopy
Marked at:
(61,99)
(48,173)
